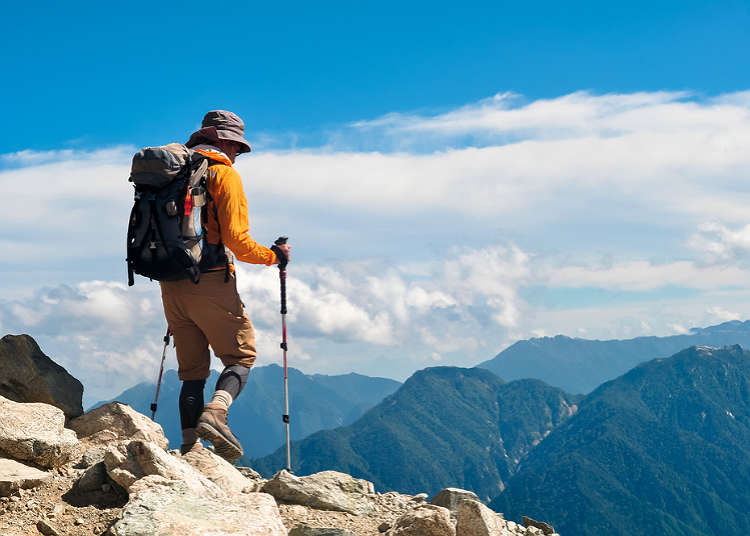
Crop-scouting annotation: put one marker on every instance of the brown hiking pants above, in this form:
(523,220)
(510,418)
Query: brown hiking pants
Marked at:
(209,313)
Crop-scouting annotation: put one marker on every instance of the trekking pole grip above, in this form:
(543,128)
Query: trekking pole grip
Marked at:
(282,268)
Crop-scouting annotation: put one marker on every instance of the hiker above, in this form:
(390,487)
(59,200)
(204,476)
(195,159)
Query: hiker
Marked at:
(211,312)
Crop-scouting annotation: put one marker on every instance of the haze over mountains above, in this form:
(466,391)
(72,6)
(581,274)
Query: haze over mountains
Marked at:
(581,365)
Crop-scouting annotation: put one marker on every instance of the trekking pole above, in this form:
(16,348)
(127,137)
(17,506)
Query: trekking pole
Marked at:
(282,280)
(161,371)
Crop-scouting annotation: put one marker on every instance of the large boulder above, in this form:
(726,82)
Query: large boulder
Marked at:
(327,490)
(129,461)
(122,420)
(36,433)
(425,520)
(27,375)
(475,519)
(219,471)
(161,507)
(15,475)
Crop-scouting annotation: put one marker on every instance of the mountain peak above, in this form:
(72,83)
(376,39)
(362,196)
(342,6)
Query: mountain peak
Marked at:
(580,365)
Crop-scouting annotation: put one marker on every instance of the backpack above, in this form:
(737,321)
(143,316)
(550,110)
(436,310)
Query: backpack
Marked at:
(165,234)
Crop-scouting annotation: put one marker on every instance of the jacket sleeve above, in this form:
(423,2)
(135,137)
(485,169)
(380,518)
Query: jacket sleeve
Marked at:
(231,206)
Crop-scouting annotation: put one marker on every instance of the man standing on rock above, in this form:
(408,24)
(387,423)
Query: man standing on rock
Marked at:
(211,312)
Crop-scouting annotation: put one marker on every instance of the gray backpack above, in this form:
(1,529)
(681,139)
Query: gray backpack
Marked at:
(165,236)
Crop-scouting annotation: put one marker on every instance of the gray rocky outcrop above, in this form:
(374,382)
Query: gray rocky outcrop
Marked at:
(129,461)
(35,432)
(161,507)
(27,375)
(327,490)
(451,497)
(15,475)
(425,520)
(219,471)
(474,519)
(122,421)
(304,530)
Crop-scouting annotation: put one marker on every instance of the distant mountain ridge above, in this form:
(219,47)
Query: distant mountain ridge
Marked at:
(663,449)
(444,426)
(316,402)
(581,365)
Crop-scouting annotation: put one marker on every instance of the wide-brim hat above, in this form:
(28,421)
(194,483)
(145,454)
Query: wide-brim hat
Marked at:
(221,125)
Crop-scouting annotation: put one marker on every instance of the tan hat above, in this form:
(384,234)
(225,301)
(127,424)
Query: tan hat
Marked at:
(221,125)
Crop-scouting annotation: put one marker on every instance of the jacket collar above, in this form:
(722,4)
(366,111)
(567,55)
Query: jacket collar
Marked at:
(209,151)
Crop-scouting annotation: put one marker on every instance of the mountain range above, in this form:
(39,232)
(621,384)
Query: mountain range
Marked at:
(316,402)
(444,426)
(581,365)
(661,448)
(664,449)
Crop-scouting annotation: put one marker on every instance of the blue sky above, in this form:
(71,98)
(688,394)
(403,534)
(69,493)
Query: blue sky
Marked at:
(96,74)
(452,178)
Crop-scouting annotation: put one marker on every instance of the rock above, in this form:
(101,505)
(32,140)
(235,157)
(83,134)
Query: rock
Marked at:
(546,528)
(121,420)
(91,456)
(384,526)
(420,497)
(164,507)
(15,476)
(451,497)
(47,528)
(327,490)
(36,432)
(217,470)
(475,519)
(27,375)
(304,530)
(92,479)
(250,473)
(130,461)
(256,481)
(425,520)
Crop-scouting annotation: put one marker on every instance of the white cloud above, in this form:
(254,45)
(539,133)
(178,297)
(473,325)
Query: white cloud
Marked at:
(679,329)
(722,314)
(645,275)
(720,244)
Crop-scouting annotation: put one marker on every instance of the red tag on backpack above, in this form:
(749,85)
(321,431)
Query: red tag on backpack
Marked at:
(188,203)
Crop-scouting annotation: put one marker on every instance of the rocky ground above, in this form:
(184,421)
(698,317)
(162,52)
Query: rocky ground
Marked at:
(53,508)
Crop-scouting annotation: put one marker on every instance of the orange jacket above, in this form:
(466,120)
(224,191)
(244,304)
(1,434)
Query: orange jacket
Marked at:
(225,188)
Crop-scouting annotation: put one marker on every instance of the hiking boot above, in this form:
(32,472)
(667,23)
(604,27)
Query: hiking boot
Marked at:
(190,447)
(212,427)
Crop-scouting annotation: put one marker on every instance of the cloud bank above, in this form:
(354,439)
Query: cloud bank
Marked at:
(419,237)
